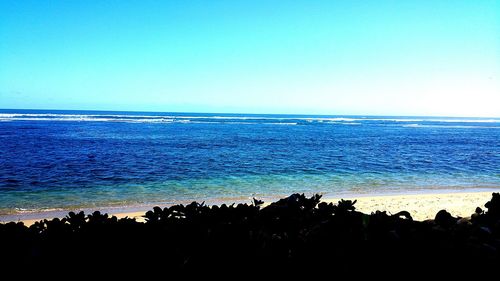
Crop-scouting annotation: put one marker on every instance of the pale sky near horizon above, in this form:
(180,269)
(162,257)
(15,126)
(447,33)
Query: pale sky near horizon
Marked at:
(304,57)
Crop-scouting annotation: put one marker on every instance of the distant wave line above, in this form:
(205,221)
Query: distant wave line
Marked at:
(187,119)
(450,126)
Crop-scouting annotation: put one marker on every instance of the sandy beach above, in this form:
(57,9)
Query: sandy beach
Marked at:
(423,206)
(420,206)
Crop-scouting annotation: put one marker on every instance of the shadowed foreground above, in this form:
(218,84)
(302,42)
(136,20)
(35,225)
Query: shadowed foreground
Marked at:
(295,233)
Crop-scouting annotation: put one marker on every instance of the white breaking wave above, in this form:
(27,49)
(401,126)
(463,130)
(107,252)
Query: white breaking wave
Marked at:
(449,126)
(282,123)
(172,118)
(89,119)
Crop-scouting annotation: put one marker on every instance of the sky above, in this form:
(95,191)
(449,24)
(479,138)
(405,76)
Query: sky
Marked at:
(433,58)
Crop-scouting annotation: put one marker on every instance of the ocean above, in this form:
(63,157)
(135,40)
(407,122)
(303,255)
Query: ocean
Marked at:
(64,160)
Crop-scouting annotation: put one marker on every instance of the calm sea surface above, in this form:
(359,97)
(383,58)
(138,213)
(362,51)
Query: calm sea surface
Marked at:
(53,160)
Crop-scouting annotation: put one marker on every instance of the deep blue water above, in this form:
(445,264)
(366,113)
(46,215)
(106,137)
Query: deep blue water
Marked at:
(75,159)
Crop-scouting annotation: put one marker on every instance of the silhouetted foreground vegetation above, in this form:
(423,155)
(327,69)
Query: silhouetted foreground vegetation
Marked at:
(290,235)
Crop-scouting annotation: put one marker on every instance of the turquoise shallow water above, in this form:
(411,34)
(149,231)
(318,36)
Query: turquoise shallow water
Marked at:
(79,159)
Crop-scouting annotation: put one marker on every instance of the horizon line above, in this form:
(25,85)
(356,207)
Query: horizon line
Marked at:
(248,113)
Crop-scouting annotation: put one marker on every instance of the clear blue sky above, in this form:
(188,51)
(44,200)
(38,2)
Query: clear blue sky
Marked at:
(318,57)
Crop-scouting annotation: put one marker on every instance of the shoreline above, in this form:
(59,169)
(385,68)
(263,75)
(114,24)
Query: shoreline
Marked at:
(422,205)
